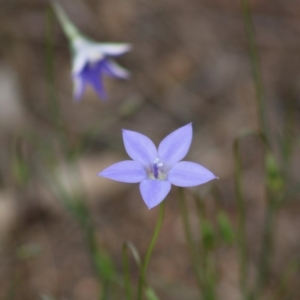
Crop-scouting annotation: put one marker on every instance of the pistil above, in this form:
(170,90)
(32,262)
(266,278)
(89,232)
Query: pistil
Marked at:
(156,171)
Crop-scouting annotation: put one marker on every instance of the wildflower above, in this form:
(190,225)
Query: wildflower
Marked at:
(156,169)
(91,60)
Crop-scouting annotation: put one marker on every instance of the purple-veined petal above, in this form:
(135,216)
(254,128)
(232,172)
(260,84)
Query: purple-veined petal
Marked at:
(114,70)
(175,146)
(125,171)
(154,191)
(185,174)
(139,147)
(113,49)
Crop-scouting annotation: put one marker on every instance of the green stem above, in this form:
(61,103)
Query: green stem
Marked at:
(81,215)
(269,220)
(188,235)
(126,272)
(267,247)
(68,27)
(207,274)
(53,99)
(260,98)
(264,265)
(241,230)
(150,250)
(288,138)
(103,268)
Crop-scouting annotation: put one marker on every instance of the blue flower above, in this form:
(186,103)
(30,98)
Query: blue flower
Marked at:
(157,169)
(91,60)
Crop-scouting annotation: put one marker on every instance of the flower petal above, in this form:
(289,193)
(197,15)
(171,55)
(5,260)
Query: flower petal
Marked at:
(186,173)
(79,62)
(113,49)
(175,146)
(114,70)
(125,171)
(97,84)
(92,74)
(154,191)
(139,147)
(79,87)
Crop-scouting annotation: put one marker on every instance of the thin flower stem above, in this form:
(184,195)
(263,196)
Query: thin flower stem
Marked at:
(266,253)
(260,98)
(267,247)
(150,250)
(288,137)
(241,230)
(126,275)
(101,263)
(188,235)
(269,222)
(53,99)
(207,259)
(262,115)
(69,29)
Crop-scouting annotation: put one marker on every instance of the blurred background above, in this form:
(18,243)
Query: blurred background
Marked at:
(189,63)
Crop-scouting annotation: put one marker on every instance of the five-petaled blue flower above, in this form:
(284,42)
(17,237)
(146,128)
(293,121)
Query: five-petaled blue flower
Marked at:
(156,169)
(91,61)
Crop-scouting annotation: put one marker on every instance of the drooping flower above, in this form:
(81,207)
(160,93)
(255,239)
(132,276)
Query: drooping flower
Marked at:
(91,60)
(157,168)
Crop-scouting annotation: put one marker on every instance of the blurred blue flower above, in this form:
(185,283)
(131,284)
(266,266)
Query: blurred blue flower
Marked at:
(156,169)
(91,60)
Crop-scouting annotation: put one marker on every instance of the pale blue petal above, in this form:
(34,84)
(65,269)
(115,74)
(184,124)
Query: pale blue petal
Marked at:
(113,49)
(79,87)
(139,147)
(125,171)
(114,70)
(175,146)
(79,62)
(154,191)
(187,174)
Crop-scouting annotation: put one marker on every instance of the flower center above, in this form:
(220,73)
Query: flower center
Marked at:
(94,56)
(157,170)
